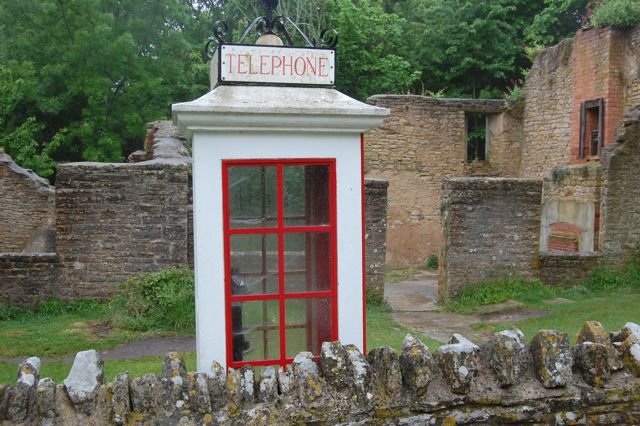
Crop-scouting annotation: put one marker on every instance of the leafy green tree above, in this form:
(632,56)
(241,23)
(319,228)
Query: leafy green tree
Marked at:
(471,48)
(558,20)
(366,55)
(84,76)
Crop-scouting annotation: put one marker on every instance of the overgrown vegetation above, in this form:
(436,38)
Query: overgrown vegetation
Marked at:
(80,78)
(599,282)
(50,308)
(622,14)
(432,262)
(161,301)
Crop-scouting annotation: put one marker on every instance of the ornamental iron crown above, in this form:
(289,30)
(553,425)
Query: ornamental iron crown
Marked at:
(268,24)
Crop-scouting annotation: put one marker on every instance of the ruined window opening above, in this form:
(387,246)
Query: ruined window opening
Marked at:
(591,128)
(477,137)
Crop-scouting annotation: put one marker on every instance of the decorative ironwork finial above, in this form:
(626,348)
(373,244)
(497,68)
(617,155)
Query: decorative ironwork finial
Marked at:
(269,24)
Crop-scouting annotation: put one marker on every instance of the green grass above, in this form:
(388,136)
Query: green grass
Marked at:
(382,330)
(612,311)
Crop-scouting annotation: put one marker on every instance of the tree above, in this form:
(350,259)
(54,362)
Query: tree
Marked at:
(558,20)
(84,76)
(471,48)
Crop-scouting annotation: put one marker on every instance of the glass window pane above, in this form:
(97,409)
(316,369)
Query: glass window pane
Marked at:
(308,324)
(306,195)
(254,264)
(256,332)
(307,260)
(252,196)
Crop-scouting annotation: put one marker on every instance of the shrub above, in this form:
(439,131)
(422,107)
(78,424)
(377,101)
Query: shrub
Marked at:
(622,14)
(432,262)
(375,298)
(488,293)
(163,300)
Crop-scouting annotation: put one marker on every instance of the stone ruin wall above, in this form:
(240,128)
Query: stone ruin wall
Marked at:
(375,192)
(620,214)
(505,381)
(422,143)
(492,228)
(118,220)
(547,112)
(28,205)
(632,70)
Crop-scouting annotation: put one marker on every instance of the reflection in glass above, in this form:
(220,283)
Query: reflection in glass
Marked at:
(308,324)
(307,261)
(252,196)
(306,195)
(256,332)
(254,264)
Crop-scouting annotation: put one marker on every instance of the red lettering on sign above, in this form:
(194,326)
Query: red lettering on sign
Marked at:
(322,65)
(241,64)
(312,66)
(275,60)
(229,57)
(286,65)
(263,64)
(300,70)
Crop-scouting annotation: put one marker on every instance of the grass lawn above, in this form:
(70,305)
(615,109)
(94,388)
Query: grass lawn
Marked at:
(612,311)
(62,335)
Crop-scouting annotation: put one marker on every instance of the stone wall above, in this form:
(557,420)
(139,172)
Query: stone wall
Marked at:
(621,191)
(492,229)
(506,381)
(422,143)
(632,70)
(375,192)
(26,215)
(547,112)
(25,279)
(566,269)
(116,220)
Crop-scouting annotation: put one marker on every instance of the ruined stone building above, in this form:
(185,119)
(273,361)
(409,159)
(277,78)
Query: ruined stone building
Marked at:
(105,222)
(570,143)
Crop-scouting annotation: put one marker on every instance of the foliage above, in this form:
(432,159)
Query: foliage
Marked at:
(81,78)
(432,262)
(558,20)
(375,297)
(529,292)
(473,48)
(369,38)
(49,308)
(514,100)
(623,14)
(163,300)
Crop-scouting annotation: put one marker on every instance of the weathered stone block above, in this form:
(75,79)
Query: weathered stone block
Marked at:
(416,364)
(268,386)
(197,393)
(118,394)
(23,398)
(46,396)
(459,362)
(217,386)
(552,358)
(503,355)
(592,359)
(146,394)
(387,377)
(84,379)
(593,331)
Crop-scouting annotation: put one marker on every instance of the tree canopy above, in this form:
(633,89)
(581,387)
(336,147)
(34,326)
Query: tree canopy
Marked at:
(80,78)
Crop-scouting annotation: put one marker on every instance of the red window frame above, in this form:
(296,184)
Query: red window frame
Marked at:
(280,230)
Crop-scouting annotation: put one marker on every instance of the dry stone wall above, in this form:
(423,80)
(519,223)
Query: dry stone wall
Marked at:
(421,143)
(505,381)
(27,213)
(375,192)
(117,220)
(632,70)
(25,279)
(492,229)
(621,191)
(547,113)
